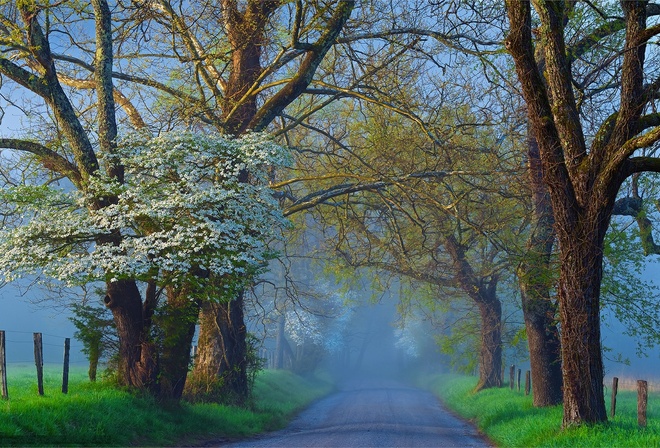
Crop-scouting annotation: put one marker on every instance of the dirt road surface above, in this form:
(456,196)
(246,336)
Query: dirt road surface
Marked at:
(379,413)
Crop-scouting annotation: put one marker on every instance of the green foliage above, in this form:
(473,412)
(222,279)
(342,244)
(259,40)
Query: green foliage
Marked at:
(254,362)
(633,301)
(96,330)
(461,344)
(97,414)
(510,419)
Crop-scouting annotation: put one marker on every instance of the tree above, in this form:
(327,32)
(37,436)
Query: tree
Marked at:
(583,174)
(234,61)
(433,226)
(97,333)
(536,274)
(70,153)
(235,94)
(183,215)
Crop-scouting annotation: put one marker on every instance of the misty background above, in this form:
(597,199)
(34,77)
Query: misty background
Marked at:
(379,349)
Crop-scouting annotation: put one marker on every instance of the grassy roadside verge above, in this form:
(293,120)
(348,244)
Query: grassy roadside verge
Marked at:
(509,419)
(94,414)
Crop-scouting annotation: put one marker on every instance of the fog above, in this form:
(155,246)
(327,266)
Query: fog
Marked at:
(23,313)
(374,344)
(613,337)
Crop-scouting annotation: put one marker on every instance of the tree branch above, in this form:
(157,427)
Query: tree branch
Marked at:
(49,159)
(276,104)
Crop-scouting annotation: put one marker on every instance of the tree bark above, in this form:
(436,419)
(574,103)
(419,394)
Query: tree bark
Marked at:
(483,291)
(220,372)
(246,29)
(178,327)
(137,354)
(579,294)
(582,189)
(490,352)
(535,278)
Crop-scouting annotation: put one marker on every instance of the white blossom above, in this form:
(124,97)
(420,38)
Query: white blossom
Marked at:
(182,208)
(326,330)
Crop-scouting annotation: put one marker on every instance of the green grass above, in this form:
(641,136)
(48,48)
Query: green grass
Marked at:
(97,414)
(509,419)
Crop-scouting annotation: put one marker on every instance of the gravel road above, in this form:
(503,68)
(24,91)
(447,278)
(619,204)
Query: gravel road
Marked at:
(379,413)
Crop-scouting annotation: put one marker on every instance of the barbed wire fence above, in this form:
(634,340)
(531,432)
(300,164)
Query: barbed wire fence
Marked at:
(20,349)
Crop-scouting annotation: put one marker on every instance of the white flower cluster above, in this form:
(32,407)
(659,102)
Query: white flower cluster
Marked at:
(183,209)
(303,326)
(406,340)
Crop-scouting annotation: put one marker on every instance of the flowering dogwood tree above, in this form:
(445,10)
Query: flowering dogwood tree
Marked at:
(182,214)
(186,220)
(320,328)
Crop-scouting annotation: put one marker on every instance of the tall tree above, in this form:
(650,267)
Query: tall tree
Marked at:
(399,211)
(38,74)
(583,173)
(156,324)
(236,94)
(536,274)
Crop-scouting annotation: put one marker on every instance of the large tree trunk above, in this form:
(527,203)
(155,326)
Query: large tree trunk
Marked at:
(220,372)
(178,328)
(583,182)
(535,277)
(544,350)
(483,291)
(490,352)
(579,294)
(246,27)
(137,366)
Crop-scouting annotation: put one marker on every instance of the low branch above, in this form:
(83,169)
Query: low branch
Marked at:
(322,196)
(51,160)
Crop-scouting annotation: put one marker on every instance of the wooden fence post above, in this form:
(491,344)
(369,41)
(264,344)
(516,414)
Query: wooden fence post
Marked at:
(642,398)
(528,382)
(519,373)
(65,369)
(615,389)
(3,366)
(512,375)
(39,361)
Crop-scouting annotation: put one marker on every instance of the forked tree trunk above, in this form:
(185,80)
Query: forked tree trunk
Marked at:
(583,182)
(246,26)
(483,291)
(220,372)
